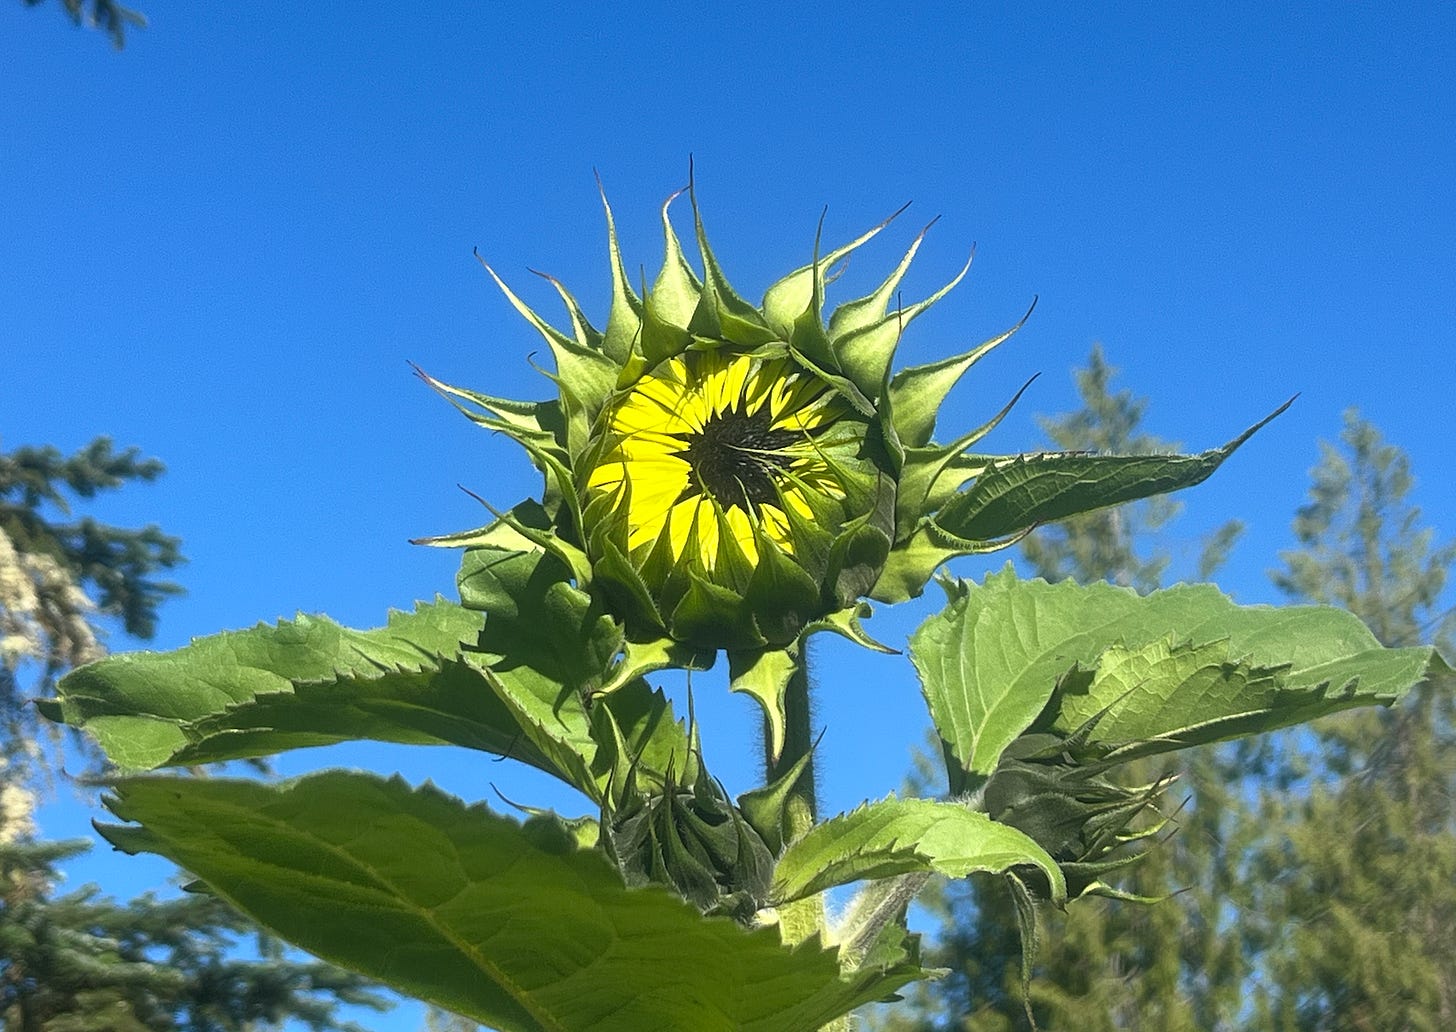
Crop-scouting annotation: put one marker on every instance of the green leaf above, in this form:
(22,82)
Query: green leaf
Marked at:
(139,706)
(930,476)
(624,318)
(539,421)
(454,704)
(898,836)
(992,662)
(587,336)
(708,614)
(538,627)
(908,568)
(590,374)
(857,557)
(988,663)
(511,925)
(912,563)
(846,623)
(861,314)
(528,515)
(1026,925)
(1167,695)
(1015,494)
(641,658)
(677,292)
(247,710)
(548,649)
(778,591)
(724,314)
(518,688)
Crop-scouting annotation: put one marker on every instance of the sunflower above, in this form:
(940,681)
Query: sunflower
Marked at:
(714,493)
(714,446)
(729,476)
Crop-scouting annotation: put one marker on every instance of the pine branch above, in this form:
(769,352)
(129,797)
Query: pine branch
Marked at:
(107,15)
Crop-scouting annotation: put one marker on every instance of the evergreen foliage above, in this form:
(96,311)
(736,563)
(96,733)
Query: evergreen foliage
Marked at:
(1364,876)
(118,564)
(437,1020)
(106,15)
(1363,546)
(80,961)
(61,575)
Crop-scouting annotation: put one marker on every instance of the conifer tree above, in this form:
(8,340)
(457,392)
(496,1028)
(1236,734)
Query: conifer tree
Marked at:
(81,962)
(61,574)
(1365,880)
(106,15)
(437,1020)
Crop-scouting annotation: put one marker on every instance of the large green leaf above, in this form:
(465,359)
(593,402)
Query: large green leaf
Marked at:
(1014,494)
(505,923)
(1181,666)
(1171,694)
(900,836)
(456,703)
(548,648)
(518,688)
(764,674)
(141,705)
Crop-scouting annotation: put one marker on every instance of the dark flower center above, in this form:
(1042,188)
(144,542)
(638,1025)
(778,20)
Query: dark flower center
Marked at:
(735,456)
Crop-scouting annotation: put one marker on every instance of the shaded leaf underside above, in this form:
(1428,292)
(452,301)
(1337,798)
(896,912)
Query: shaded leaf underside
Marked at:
(1010,495)
(418,680)
(508,924)
(141,707)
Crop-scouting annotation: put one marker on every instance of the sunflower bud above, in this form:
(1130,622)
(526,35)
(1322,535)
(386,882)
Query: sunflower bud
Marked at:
(727,496)
(721,475)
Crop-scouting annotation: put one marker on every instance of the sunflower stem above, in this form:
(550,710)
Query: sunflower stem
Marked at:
(802,918)
(805,917)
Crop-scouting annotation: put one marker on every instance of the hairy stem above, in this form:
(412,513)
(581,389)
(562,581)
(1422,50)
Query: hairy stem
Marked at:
(802,918)
(805,917)
(877,905)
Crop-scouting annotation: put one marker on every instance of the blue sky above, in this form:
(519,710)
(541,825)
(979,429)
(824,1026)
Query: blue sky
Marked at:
(224,243)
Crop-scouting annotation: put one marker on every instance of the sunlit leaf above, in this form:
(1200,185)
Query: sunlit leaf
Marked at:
(900,836)
(1014,494)
(1184,665)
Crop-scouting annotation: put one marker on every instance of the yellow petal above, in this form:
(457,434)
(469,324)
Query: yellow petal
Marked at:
(741,527)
